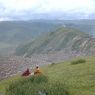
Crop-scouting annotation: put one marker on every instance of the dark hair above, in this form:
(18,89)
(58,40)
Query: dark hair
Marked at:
(37,67)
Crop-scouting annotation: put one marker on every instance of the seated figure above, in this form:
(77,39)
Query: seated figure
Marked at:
(26,73)
(37,71)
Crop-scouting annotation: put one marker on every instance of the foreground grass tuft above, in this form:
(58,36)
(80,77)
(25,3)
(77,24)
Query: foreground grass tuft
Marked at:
(35,85)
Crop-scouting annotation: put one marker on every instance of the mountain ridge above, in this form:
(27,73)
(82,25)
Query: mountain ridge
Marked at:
(62,38)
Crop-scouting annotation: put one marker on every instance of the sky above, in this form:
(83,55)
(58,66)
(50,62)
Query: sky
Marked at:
(32,9)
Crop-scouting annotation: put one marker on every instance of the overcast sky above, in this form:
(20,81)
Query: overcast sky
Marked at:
(25,8)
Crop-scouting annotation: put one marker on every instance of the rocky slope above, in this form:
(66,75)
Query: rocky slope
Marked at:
(12,65)
(16,64)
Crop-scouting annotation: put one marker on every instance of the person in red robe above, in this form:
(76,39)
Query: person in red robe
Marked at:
(26,73)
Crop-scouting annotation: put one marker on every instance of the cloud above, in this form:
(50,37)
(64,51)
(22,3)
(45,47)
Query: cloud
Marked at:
(66,5)
(16,8)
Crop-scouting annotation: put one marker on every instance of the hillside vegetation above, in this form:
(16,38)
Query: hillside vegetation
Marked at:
(61,39)
(72,79)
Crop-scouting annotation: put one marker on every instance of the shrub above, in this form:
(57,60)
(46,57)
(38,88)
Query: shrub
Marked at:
(39,79)
(78,61)
(52,64)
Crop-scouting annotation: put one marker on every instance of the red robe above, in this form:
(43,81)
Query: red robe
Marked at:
(26,73)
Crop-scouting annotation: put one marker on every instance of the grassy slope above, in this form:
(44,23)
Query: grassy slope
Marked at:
(78,79)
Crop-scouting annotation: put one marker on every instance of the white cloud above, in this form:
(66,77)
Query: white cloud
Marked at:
(47,5)
(18,4)
(21,7)
(4,19)
(66,5)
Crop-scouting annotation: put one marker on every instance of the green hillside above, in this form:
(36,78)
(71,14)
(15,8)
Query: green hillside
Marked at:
(75,79)
(62,38)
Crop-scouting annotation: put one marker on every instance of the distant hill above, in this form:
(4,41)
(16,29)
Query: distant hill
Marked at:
(14,33)
(82,25)
(61,39)
(23,31)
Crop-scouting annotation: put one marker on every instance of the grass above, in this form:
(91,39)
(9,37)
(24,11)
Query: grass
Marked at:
(75,79)
(5,83)
(78,79)
(34,86)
